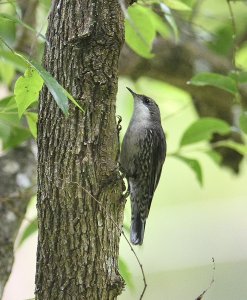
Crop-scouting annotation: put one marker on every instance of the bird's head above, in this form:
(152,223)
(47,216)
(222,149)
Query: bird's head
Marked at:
(145,108)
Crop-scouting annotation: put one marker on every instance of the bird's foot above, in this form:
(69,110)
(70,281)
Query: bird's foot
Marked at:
(119,126)
(126,194)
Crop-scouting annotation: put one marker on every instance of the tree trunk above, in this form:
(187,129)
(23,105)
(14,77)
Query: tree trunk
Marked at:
(80,205)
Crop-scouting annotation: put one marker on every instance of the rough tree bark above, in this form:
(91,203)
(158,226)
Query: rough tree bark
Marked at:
(78,243)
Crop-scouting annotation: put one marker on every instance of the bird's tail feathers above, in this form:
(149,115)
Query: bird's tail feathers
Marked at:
(137,229)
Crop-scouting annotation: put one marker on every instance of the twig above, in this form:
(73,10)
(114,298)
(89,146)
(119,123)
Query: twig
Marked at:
(210,285)
(234,31)
(6,44)
(237,96)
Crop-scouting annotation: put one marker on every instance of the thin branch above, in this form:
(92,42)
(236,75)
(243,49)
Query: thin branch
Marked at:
(6,44)
(234,33)
(237,96)
(211,283)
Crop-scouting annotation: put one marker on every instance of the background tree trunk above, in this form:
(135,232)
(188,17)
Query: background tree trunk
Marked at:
(17,172)
(18,166)
(78,243)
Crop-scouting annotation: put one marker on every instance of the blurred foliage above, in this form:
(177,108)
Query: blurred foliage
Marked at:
(21,76)
(203,129)
(127,276)
(223,82)
(31,228)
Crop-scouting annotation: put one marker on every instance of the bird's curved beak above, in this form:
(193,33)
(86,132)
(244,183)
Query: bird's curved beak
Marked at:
(133,93)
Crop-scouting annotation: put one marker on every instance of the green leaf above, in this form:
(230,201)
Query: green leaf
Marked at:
(239,76)
(240,148)
(124,270)
(10,118)
(222,41)
(241,56)
(27,89)
(7,30)
(7,72)
(71,98)
(8,111)
(29,230)
(140,30)
(14,60)
(17,136)
(194,165)
(58,92)
(54,87)
(4,130)
(223,82)
(203,129)
(32,119)
(12,131)
(215,156)
(176,5)
(242,77)
(8,103)
(159,24)
(243,122)
(19,21)
(170,19)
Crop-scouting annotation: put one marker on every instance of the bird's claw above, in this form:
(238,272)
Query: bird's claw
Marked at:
(126,194)
(119,127)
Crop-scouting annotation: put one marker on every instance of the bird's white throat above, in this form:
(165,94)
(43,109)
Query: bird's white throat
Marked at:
(141,112)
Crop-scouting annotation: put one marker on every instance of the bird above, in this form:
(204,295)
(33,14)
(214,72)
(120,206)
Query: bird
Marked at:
(142,156)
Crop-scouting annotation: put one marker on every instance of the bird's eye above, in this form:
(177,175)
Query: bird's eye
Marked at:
(146,100)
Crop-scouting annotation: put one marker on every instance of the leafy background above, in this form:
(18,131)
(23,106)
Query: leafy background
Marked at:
(199,209)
